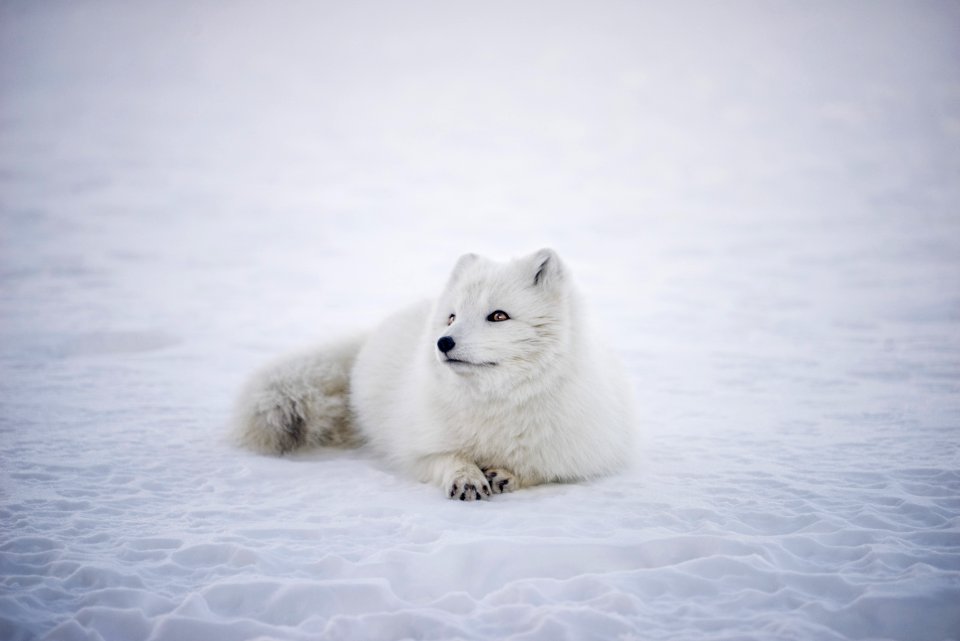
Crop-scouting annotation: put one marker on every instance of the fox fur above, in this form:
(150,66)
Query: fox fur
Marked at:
(497,384)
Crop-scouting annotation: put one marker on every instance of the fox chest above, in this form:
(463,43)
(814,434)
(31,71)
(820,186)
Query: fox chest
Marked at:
(518,440)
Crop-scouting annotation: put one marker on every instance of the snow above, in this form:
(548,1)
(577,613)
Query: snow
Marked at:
(760,200)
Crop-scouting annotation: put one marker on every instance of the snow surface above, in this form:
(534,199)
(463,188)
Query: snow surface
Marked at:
(762,201)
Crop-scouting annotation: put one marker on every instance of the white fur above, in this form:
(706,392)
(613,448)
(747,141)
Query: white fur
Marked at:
(537,398)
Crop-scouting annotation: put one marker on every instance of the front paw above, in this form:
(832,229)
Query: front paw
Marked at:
(468,485)
(500,480)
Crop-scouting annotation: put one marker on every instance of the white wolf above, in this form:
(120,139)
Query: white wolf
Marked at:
(494,386)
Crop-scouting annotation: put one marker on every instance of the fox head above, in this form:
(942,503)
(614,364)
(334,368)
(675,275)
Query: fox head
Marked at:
(502,321)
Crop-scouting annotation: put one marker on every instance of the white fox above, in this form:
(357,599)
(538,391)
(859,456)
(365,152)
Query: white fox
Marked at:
(494,386)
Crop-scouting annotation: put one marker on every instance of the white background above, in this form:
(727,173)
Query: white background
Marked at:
(760,200)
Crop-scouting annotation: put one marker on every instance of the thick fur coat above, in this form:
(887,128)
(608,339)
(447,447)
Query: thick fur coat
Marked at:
(496,385)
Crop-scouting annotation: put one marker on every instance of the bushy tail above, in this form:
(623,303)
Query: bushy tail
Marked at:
(299,401)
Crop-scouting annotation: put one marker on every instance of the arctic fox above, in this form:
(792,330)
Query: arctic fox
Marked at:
(496,385)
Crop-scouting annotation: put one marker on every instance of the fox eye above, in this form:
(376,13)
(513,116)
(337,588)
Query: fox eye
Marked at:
(498,316)
(450,320)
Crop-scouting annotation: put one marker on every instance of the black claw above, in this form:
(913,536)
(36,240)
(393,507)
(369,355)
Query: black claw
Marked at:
(463,497)
(486,490)
(503,483)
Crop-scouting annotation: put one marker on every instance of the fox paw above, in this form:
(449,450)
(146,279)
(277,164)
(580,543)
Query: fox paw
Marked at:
(500,480)
(467,485)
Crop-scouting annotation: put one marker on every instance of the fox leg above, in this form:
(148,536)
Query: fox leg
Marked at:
(459,477)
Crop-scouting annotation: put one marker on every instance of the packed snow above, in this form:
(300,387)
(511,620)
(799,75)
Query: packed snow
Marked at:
(761,202)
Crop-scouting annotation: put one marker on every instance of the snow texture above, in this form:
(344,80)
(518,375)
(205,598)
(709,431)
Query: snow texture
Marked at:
(761,200)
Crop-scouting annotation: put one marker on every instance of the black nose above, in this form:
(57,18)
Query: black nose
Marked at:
(445,344)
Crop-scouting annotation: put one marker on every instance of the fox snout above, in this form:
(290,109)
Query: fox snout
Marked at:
(445,344)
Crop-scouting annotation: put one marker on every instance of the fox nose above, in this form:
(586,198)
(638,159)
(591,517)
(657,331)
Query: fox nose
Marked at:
(445,344)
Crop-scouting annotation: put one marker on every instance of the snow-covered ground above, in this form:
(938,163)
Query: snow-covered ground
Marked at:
(761,200)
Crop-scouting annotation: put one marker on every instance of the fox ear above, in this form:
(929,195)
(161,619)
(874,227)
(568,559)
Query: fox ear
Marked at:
(462,263)
(547,269)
